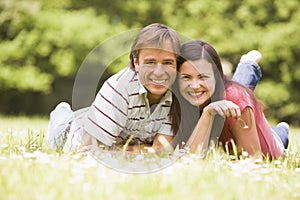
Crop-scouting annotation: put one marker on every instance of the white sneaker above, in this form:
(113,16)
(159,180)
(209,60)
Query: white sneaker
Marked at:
(60,119)
(284,124)
(252,55)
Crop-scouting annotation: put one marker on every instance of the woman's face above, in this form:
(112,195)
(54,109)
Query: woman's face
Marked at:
(197,81)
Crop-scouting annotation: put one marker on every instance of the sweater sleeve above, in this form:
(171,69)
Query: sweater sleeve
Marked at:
(240,96)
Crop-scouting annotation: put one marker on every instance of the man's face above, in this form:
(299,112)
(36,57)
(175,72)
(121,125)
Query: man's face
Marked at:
(157,71)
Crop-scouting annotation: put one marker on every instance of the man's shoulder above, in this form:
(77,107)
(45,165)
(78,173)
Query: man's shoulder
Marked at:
(126,75)
(125,80)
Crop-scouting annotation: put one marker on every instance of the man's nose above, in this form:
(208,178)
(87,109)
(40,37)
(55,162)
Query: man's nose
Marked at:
(158,69)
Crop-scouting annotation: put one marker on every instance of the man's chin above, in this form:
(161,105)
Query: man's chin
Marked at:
(158,91)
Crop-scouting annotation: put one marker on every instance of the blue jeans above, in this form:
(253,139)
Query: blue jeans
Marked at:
(248,73)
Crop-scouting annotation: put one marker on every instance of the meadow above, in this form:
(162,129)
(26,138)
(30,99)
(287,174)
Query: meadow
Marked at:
(29,170)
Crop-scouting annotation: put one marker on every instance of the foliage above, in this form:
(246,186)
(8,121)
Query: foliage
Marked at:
(42,40)
(45,42)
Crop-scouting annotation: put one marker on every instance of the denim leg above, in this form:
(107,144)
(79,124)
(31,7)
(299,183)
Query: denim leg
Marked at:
(247,73)
(283,133)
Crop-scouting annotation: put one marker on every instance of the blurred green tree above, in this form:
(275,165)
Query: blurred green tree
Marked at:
(235,27)
(43,43)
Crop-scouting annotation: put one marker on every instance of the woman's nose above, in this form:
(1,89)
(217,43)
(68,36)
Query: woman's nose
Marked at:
(195,83)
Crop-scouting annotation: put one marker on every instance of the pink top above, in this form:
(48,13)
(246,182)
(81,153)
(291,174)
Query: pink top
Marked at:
(240,96)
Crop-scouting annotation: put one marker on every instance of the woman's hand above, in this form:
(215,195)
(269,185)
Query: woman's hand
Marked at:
(223,108)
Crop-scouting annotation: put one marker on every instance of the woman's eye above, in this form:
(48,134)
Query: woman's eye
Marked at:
(203,77)
(185,78)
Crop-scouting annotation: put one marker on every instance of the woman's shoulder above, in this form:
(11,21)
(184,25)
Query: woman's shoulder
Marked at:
(234,89)
(238,94)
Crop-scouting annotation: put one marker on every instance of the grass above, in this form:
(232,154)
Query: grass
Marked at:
(29,170)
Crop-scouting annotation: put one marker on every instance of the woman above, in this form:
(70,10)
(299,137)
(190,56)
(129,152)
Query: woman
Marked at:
(202,84)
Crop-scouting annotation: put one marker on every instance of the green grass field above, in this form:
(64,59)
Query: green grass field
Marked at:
(30,171)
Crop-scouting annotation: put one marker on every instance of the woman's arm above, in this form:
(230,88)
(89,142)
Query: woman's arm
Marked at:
(246,138)
(200,136)
(201,133)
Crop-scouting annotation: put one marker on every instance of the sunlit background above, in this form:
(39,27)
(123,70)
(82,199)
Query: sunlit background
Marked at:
(43,43)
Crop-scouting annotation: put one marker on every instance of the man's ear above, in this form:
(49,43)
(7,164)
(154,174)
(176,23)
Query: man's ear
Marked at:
(136,64)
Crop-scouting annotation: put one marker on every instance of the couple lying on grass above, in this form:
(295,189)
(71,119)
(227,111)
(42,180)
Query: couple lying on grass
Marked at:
(172,94)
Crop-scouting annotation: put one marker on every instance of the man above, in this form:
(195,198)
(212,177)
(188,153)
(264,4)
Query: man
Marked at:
(133,105)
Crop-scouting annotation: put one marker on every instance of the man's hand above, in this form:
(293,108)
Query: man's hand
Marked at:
(162,142)
(89,143)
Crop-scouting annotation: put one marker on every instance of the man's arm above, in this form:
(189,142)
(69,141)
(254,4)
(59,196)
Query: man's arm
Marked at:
(160,143)
(89,142)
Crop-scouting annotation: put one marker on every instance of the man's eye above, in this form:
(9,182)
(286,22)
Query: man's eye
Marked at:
(168,63)
(150,63)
